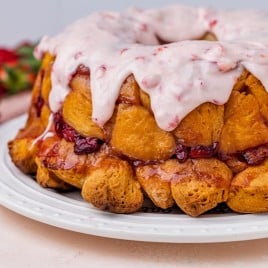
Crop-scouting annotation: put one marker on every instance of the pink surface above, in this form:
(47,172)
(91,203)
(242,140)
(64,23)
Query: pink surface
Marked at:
(13,106)
(27,243)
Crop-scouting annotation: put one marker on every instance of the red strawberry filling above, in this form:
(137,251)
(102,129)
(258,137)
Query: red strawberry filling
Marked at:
(82,145)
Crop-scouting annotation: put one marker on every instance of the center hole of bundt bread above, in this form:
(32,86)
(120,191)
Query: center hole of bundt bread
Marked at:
(208,36)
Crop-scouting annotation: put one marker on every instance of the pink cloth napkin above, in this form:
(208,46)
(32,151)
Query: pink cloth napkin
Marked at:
(13,106)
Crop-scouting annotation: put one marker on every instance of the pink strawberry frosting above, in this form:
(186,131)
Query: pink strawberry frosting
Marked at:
(178,76)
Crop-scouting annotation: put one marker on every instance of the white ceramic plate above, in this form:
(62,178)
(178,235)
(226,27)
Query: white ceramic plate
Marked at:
(23,195)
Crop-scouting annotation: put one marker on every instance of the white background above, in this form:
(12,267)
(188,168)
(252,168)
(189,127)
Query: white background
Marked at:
(30,19)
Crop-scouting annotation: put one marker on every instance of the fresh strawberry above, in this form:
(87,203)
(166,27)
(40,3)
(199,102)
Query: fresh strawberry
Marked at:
(18,68)
(7,56)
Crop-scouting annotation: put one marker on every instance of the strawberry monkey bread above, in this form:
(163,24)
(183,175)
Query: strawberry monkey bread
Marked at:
(135,104)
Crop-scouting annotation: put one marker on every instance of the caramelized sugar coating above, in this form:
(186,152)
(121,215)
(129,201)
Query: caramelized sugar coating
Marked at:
(156,180)
(58,156)
(108,180)
(249,190)
(112,185)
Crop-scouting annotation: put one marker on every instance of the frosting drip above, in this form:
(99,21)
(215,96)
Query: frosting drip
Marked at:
(178,76)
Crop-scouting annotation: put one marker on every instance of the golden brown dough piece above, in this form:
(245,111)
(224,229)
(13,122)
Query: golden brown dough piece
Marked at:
(136,135)
(200,185)
(23,153)
(255,87)
(130,92)
(249,190)
(112,186)
(47,179)
(196,186)
(202,126)
(59,158)
(245,125)
(156,182)
(80,117)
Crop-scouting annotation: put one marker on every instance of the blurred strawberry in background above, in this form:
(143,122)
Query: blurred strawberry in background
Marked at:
(18,68)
